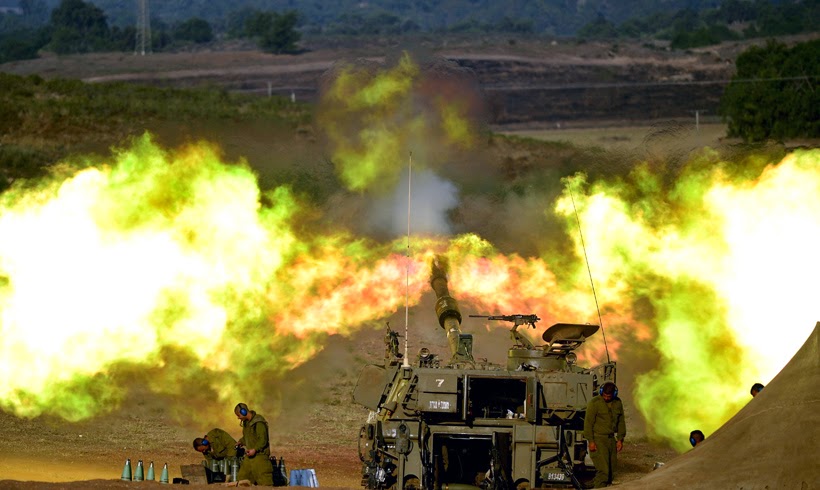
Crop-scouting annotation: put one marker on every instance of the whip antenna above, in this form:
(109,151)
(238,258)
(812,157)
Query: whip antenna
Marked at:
(406,362)
(589,270)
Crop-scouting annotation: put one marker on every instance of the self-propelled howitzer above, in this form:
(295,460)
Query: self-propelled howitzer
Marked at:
(452,424)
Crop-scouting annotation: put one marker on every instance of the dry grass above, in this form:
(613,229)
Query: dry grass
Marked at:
(686,134)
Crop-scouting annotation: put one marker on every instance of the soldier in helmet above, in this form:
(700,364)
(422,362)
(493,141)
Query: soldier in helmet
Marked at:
(756,388)
(605,430)
(256,467)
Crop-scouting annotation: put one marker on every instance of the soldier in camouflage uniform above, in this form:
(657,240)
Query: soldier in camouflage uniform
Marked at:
(256,466)
(605,430)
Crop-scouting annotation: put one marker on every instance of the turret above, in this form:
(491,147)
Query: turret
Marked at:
(449,316)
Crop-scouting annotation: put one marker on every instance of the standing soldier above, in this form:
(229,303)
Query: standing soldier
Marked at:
(605,430)
(256,467)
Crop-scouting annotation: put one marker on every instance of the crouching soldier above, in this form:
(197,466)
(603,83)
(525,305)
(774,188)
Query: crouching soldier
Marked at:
(219,449)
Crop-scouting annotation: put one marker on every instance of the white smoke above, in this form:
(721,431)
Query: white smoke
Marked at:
(431,197)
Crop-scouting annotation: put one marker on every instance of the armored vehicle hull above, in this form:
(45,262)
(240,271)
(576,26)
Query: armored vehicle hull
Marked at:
(463,424)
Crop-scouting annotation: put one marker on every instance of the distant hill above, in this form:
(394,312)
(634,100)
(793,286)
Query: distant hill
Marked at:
(557,17)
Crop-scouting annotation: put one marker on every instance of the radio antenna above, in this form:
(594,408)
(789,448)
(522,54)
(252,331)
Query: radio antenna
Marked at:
(406,362)
(589,270)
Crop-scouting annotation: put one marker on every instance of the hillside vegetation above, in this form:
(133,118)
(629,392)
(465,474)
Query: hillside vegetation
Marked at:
(558,16)
(72,26)
(43,121)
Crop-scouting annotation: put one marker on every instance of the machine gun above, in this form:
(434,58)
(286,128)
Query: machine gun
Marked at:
(517,320)
(391,344)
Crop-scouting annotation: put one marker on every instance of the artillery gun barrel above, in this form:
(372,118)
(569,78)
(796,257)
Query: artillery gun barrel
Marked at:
(449,316)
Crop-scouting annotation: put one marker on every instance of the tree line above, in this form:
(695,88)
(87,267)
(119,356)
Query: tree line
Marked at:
(80,26)
(685,23)
(549,17)
(731,20)
(77,26)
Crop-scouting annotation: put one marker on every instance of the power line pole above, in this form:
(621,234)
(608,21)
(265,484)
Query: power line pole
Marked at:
(143,34)
(698,112)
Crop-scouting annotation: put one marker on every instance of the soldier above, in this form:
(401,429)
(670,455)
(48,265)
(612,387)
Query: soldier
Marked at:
(696,437)
(756,388)
(605,430)
(256,467)
(217,444)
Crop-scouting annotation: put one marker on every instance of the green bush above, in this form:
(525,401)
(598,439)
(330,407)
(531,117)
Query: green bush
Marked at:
(280,34)
(704,36)
(21,162)
(774,94)
(195,30)
(22,44)
(78,27)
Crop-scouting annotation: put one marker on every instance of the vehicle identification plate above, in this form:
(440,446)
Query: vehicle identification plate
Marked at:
(556,475)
